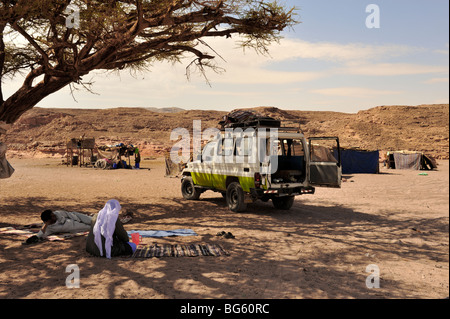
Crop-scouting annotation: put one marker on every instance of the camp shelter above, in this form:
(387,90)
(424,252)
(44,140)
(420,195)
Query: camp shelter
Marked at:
(174,163)
(113,154)
(358,161)
(410,160)
(80,151)
(173,169)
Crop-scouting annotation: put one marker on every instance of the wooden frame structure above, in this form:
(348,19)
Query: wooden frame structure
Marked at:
(76,151)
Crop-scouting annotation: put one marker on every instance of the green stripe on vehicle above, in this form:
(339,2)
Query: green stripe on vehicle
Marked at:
(218,181)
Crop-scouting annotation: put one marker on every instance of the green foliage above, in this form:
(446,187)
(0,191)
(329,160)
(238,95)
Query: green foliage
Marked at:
(115,35)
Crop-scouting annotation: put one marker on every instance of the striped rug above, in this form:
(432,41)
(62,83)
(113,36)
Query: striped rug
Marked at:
(168,250)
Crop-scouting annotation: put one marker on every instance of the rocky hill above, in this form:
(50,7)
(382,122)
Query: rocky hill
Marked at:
(43,132)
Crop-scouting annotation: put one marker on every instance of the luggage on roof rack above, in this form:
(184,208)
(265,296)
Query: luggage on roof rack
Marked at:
(241,118)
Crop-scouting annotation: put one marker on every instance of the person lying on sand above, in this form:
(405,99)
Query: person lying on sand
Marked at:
(107,237)
(61,221)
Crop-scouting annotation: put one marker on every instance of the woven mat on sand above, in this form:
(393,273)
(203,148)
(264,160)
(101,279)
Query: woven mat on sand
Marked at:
(178,250)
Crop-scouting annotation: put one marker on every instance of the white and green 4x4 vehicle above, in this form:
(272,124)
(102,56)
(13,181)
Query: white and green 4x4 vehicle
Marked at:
(257,164)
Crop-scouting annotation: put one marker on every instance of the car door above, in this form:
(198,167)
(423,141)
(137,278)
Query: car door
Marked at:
(323,168)
(202,172)
(222,167)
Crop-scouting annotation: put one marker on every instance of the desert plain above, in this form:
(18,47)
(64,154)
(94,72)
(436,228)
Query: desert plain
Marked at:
(396,221)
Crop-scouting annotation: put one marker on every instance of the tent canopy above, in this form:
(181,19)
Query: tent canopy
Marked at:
(355,161)
(410,160)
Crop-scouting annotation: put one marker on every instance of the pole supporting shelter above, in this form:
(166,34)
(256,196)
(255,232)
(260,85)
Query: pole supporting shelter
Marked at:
(80,151)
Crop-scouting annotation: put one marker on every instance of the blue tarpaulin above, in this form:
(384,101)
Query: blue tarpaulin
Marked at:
(359,162)
(163,233)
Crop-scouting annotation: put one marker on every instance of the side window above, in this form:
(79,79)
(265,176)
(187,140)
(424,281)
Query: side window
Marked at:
(226,147)
(208,151)
(281,147)
(297,148)
(321,153)
(274,149)
(244,146)
(290,147)
(266,148)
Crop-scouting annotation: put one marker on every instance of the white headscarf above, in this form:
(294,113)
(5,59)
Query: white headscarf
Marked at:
(105,225)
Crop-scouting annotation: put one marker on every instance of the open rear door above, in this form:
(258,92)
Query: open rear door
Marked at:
(324,169)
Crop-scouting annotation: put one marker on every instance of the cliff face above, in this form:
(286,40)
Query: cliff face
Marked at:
(43,132)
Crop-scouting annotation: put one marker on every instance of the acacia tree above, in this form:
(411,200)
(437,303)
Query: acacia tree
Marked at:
(54,43)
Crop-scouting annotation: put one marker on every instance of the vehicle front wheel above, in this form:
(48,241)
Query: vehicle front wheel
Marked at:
(188,189)
(235,197)
(284,203)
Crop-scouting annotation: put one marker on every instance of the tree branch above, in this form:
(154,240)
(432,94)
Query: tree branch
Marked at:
(44,55)
(119,34)
(137,27)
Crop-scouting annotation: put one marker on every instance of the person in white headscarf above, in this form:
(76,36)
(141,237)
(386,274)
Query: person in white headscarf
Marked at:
(107,237)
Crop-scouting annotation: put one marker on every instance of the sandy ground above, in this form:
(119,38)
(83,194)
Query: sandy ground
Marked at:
(397,220)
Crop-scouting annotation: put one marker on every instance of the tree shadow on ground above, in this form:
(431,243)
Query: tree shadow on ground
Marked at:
(274,255)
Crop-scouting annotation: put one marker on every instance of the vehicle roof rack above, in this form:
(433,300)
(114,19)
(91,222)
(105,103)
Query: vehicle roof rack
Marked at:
(262,122)
(255,123)
(290,129)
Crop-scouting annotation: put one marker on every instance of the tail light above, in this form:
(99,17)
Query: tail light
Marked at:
(257,180)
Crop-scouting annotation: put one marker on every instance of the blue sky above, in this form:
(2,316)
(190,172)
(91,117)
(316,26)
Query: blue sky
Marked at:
(330,61)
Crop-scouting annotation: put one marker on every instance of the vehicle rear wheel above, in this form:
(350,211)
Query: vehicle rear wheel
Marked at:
(284,203)
(235,197)
(188,189)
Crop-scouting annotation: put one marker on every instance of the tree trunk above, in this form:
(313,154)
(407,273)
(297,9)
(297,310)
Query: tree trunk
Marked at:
(27,97)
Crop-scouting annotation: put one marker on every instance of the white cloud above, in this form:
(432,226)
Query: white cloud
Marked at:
(445,52)
(393,69)
(290,63)
(291,49)
(338,52)
(262,76)
(356,92)
(353,58)
(437,80)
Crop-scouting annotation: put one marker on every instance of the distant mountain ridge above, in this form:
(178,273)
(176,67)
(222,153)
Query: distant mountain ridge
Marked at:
(43,132)
(165,109)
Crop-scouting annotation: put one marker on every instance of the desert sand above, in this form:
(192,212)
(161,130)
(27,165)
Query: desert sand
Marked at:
(397,220)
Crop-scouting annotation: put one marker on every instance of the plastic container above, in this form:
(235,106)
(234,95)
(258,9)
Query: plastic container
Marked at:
(136,238)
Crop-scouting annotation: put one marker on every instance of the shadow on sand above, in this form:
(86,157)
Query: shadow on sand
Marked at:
(253,262)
